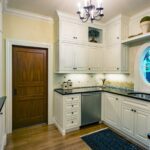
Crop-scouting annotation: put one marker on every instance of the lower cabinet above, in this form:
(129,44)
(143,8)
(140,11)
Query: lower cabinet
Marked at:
(2,129)
(112,110)
(67,112)
(130,116)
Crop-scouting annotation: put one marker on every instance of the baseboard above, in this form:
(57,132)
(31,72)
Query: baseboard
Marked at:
(4,141)
(59,128)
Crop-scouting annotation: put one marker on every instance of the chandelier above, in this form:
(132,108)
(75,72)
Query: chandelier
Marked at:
(90,11)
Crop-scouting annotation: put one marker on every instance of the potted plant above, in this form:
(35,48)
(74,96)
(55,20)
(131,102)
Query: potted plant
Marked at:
(145,24)
(93,34)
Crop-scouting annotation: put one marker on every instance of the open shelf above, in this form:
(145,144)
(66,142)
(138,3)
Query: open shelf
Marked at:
(139,38)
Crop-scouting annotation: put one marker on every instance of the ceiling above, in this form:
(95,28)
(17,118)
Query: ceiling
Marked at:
(49,7)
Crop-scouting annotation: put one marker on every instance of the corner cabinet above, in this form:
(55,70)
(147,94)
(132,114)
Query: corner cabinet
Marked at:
(67,112)
(129,116)
(73,51)
(115,53)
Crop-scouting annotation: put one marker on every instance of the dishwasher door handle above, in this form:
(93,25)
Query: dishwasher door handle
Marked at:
(90,94)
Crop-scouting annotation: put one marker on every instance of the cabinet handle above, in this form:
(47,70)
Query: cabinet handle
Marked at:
(1,113)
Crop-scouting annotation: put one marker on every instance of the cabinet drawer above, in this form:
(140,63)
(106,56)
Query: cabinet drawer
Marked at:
(73,122)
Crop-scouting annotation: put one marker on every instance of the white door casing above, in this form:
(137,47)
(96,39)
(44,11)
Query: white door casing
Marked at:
(9,44)
(139,83)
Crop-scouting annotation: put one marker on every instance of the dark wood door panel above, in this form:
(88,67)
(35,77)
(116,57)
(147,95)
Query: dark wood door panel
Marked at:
(30,83)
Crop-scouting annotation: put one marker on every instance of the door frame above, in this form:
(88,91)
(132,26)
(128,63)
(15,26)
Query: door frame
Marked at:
(9,48)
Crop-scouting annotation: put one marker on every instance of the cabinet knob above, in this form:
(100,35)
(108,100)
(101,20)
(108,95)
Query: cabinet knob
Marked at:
(148,135)
(72,112)
(132,110)
(72,105)
(116,98)
(89,68)
(1,113)
(72,98)
(118,37)
(72,122)
(117,68)
(75,68)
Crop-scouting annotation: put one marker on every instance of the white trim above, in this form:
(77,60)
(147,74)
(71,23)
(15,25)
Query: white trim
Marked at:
(139,83)
(9,44)
(23,13)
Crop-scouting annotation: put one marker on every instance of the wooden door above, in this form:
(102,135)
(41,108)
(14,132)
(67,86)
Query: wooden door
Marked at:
(30,86)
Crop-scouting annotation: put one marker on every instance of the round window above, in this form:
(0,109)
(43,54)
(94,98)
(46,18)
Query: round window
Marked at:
(145,65)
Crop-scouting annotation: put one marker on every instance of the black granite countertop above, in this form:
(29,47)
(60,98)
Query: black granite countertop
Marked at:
(2,102)
(118,91)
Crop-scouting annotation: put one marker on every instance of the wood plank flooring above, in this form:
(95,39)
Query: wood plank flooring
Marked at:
(46,137)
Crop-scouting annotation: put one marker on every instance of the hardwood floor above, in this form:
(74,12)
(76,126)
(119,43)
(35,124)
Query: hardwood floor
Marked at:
(45,137)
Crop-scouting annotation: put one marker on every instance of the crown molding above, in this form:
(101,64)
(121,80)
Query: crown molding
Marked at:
(22,13)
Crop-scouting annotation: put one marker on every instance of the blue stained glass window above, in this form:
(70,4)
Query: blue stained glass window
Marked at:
(145,67)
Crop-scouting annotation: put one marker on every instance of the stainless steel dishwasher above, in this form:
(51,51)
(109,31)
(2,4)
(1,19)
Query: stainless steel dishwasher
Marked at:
(90,108)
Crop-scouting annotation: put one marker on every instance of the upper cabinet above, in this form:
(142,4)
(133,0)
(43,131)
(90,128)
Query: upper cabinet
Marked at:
(72,32)
(116,54)
(78,47)
(91,48)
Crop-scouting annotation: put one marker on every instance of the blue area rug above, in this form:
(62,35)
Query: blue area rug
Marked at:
(108,140)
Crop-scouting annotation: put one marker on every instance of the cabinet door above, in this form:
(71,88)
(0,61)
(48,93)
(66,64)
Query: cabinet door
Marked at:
(81,57)
(112,110)
(95,59)
(113,33)
(67,31)
(82,33)
(67,57)
(112,59)
(71,31)
(142,126)
(127,119)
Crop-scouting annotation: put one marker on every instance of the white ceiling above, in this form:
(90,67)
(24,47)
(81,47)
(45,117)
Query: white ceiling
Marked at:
(48,7)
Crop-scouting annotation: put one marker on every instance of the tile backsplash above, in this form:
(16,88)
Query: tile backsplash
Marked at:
(86,80)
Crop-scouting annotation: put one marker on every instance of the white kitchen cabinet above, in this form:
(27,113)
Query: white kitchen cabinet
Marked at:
(95,59)
(66,57)
(127,119)
(67,112)
(76,58)
(116,54)
(112,104)
(2,129)
(81,58)
(129,116)
(72,31)
(142,126)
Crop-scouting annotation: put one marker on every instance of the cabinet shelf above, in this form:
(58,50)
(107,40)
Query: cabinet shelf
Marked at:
(139,38)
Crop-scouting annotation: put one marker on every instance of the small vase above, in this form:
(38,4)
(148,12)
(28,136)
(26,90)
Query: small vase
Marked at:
(145,26)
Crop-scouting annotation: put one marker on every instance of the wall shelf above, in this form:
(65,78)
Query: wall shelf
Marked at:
(139,38)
